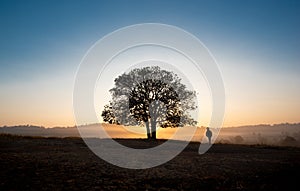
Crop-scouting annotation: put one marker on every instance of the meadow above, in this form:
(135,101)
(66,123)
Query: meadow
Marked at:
(39,163)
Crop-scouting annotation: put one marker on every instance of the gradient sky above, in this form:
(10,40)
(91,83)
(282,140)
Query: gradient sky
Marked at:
(256,44)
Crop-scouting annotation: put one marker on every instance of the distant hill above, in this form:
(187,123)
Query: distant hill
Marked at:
(29,130)
(264,134)
(278,134)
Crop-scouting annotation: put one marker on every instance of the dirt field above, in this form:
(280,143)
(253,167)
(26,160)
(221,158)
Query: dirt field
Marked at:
(28,163)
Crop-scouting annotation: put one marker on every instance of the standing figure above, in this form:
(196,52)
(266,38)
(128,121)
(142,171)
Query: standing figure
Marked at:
(208,135)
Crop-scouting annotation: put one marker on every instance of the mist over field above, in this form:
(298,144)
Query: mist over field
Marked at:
(284,134)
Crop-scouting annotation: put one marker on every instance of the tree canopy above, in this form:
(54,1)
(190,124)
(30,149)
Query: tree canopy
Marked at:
(150,96)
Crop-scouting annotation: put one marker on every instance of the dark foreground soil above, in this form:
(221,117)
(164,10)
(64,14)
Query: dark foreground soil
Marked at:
(28,163)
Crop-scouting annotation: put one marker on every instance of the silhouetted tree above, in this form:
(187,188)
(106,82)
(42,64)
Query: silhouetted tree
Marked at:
(150,96)
(238,139)
(108,115)
(288,141)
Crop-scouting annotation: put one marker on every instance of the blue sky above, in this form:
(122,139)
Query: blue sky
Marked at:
(256,44)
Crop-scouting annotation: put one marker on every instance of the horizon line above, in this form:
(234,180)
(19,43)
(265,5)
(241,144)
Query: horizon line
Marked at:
(73,126)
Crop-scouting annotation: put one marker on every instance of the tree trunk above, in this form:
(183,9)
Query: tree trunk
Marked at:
(153,129)
(148,130)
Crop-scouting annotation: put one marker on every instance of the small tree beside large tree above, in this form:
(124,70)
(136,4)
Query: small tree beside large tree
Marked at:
(151,97)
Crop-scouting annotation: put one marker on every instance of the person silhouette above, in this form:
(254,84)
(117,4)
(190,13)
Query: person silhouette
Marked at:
(208,135)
